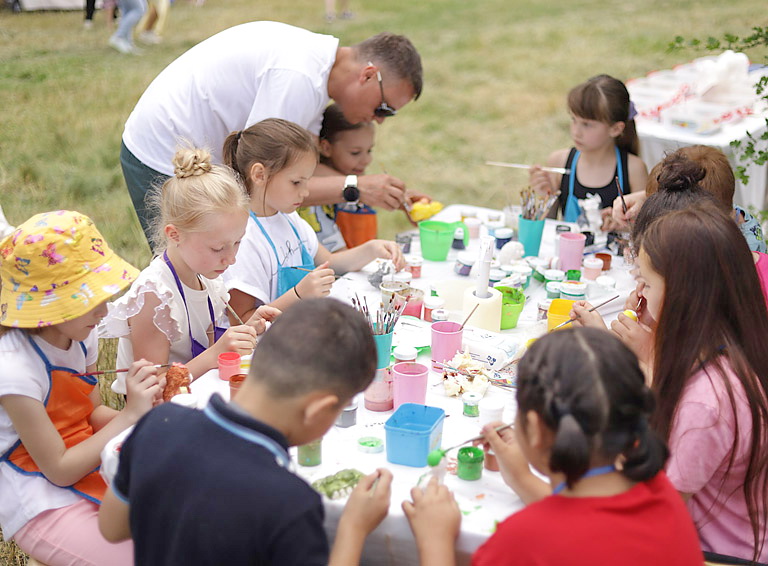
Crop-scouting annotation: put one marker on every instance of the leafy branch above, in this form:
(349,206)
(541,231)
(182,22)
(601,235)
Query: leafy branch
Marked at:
(746,151)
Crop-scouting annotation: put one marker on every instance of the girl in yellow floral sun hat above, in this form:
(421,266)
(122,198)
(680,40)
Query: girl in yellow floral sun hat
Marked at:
(57,273)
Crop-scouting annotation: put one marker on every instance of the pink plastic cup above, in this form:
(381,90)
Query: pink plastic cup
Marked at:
(409,383)
(571,250)
(446,341)
(229,365)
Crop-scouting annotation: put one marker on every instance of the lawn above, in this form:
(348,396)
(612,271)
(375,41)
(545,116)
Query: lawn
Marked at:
(496,76)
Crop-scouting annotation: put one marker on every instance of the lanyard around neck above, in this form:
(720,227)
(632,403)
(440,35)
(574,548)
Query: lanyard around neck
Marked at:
(601,471)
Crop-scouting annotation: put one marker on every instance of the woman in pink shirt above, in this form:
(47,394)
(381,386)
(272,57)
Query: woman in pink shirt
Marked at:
(708,364)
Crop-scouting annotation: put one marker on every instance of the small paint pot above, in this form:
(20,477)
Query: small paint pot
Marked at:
(606,282)
(405,353)
(229,365)
(543,309)
(524,271)
(389,289)
(473,224)
(470,463)
(348,416)
(370,445)
(413,264)
(491,462)
(590,238)
(311,454)
(404,241)
(495,275)
(553,289)
(507,268)
(491,410)
(235,382)
(592,267)
(503,236)
(468,213)
(554,275)
(430,304)
(573,275)
(560,228)
(606,259)
(573,290)
(458,239)
(403,277)
(439,315)
(471,404)
(464,263)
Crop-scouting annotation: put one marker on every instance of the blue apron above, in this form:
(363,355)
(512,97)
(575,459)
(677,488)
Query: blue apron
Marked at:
(572,209)
(218,332)
(287,277)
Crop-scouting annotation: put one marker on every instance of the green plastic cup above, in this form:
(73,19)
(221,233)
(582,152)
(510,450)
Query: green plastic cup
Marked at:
(436,238)
(512,303)
(470,463)
(311,454)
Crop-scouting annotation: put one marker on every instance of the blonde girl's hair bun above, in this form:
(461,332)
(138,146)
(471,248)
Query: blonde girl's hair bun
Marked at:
(191,162)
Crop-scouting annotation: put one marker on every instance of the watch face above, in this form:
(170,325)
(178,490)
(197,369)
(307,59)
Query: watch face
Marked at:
(351,193)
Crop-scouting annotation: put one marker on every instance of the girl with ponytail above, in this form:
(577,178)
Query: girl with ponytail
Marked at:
(582,421)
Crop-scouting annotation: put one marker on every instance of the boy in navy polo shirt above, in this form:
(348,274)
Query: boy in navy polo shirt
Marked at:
(213,486)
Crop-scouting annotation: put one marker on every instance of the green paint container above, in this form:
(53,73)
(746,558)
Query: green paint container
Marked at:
(470,463)
(311,454)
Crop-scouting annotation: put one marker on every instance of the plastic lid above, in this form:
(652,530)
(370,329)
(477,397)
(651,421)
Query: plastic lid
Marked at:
(503,233)
(606,281)
(467,258)
(554,274)
(370,444)
(496,274)
(521,268)
(434,302)
(458,234)
(544,304)
(416,260)
(404,352)
(553,286)
(572,287)
(593,263)
(471,398)
(439,315)
(403,276)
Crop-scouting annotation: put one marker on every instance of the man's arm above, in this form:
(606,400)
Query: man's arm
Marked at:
(378,191)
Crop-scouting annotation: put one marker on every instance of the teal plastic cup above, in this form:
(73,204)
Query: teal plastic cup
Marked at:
(383,349)
(529,234)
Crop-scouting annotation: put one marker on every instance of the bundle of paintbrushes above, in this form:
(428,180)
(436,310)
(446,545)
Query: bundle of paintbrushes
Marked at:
(382,321)
(535,206)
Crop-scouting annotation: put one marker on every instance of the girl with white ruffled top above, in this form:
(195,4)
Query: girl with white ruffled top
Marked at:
(176,310)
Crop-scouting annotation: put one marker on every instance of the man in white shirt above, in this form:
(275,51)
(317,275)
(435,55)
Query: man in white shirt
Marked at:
(260,70)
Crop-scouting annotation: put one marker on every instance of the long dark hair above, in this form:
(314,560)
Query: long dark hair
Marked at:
(712,315)
(588,388)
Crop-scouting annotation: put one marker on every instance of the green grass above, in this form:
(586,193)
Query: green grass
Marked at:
(496,74)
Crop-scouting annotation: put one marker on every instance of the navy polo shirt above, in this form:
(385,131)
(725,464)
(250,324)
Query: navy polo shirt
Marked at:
(203,489)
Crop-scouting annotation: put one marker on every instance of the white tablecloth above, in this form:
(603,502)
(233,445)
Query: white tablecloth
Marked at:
(656,140)
(484,502)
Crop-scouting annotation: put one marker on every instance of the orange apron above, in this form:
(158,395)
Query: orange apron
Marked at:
(357,225)
(68,406)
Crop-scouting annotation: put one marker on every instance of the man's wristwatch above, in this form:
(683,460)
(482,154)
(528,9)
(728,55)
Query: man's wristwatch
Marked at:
(351,192)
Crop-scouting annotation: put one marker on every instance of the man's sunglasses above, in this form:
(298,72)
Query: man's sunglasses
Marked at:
(383,110)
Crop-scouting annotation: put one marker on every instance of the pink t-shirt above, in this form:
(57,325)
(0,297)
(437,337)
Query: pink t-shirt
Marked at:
(704,431)
(762,272)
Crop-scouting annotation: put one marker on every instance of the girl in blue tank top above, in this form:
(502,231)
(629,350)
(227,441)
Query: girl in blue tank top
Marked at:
(604,150)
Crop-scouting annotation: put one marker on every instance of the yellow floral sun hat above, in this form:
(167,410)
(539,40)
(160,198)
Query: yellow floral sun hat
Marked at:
(56,267)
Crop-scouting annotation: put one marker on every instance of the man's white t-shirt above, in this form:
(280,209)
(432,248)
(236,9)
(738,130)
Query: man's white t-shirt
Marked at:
(228,82)
(255,271)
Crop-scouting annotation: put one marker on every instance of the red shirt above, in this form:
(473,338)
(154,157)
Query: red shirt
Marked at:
(646,525)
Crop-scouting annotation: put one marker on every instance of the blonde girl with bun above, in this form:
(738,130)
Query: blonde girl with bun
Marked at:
(176,310)
(57,273)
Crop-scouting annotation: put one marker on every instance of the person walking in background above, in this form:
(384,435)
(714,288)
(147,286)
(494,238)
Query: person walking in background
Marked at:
(122,39)
(150,29)
(330,10)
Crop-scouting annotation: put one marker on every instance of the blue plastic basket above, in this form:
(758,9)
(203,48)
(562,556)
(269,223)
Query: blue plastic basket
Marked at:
(413,431)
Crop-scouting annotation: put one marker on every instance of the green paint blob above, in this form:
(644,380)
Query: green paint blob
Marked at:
(434,457)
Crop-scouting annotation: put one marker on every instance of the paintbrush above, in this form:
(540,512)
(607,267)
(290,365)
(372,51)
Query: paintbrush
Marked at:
(590,310)
(434,457)
(621,196)
(337,277)
(560,170)
(234,314)
(469,316)
(121,370)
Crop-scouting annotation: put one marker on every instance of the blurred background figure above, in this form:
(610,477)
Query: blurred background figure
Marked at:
(150,28)
(330,10)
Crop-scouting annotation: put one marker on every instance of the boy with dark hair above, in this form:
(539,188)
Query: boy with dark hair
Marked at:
(214,486)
